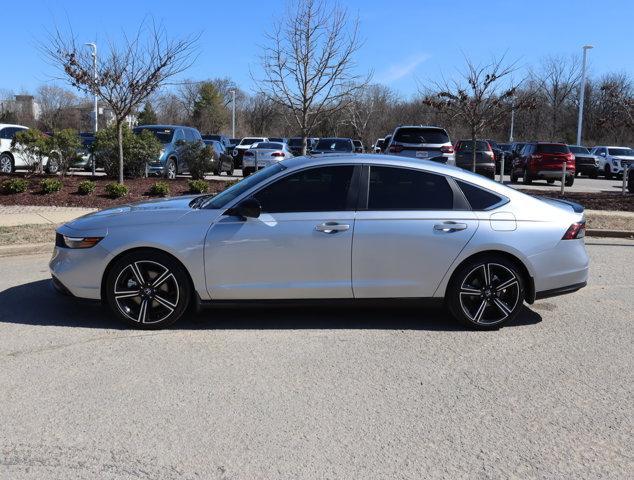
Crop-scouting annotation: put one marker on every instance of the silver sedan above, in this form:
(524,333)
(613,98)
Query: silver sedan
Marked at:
(263,154)
(348,227)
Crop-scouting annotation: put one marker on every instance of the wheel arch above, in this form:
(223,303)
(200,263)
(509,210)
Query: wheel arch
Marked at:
(529,282)
(114,259)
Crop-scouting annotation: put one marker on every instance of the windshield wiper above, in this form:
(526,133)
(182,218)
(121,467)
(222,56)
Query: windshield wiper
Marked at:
(198,201)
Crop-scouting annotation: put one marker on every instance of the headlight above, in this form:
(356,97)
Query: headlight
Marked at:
(234,153)
(65,241)
(615,163)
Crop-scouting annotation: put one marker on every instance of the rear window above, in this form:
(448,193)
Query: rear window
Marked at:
(296,142)
(551,148)
(421,135)
(269,145)
(478,198)
(467,145)
(334,144)
(250,141)
(357,143)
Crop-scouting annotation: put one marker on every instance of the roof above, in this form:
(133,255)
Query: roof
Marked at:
(164,126)
(4,125)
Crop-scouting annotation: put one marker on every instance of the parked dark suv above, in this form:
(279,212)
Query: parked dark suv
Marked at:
(424,143)
(485,161)
(585,162)
(544,161)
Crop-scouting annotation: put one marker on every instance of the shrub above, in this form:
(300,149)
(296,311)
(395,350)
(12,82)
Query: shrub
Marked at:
(138,150)
(198,157)
(15,185)
(116,190)
(65,143)
(198,186)
(33,146)
(86,187)
(160,189)
(51,185)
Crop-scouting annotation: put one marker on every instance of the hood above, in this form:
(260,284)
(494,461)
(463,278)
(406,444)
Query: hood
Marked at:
(142,213)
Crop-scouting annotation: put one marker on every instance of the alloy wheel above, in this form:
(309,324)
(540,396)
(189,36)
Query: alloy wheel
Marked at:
(5,164)
(171,170)
(146,292)
(489,293)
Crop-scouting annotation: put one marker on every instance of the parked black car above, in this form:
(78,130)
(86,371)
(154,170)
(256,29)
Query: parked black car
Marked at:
(386,143)
(223,139)
(222,161)
(295,145)
(585,162)
(358,146)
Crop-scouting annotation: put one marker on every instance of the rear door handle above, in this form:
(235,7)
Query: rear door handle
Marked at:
(449,227)
(332,227)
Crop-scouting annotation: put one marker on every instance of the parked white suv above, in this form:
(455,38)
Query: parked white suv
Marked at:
(612,160)
(421,142)
(11,159)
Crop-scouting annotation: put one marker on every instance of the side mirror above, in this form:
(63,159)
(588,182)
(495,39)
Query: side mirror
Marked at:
(249,208)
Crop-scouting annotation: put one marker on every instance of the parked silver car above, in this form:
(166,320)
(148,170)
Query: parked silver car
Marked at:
(422,142)
(263,154)
(332,227)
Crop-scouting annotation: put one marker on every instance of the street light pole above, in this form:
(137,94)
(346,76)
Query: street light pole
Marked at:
(93,46)
(233,114)
(582,93)
(512,123)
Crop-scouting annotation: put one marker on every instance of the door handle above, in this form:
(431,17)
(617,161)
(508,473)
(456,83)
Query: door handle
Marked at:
(332,227)
(449,227)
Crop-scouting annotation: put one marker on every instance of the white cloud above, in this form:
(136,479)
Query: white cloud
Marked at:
(401,69)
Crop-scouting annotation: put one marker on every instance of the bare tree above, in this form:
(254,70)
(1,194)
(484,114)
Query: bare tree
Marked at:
(557,80)
(261,113)
(309,63)
(479,98)
(55,106)
(127,74)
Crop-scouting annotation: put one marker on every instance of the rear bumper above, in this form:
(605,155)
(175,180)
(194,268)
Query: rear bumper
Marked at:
(554,174)
(555,292)
(563,268)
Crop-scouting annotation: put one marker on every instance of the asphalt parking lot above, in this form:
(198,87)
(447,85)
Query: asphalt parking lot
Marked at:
(320,393)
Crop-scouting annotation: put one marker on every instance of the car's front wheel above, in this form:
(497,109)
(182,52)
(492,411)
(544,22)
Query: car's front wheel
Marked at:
(486,292)
(607,172)
(170,169)
(148,289)
(6,163)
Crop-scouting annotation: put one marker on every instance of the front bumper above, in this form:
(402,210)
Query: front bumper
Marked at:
(587,168)
(78,272)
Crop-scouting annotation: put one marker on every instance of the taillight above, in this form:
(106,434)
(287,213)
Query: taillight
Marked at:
(396,148)
(277,154)
(570,157)
(575,231)
(446,149)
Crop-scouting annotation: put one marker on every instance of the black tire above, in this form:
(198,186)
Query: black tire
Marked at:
(513,177)
(165,301)
(247,171)
(484,306)
(550,181)
(171,169)
(7,165)
(570,180)
(630,181)
(593,175)
(526,177)
(607,173)
(230,169)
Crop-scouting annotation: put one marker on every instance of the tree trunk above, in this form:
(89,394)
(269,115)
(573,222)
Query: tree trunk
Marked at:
(473,150)
(120,142)
(304,142)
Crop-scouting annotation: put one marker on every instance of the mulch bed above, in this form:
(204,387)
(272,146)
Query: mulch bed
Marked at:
(612,201)
(68,196)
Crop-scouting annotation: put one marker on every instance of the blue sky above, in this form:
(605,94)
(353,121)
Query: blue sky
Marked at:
(405,40)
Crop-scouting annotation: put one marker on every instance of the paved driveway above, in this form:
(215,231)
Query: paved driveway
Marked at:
(319,393)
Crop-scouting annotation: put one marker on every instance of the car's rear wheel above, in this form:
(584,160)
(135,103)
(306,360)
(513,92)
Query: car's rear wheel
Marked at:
(52,166)
(148,289)
(570,180)
(6,163)
(486,292)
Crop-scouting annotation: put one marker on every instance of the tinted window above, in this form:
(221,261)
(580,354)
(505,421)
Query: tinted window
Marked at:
(467,145)
(163,135)
(505,146)
(478,198)
(313,190)
(334,144)
(551,148)
(421,135)
(295,142)
(250,141)
(404,189)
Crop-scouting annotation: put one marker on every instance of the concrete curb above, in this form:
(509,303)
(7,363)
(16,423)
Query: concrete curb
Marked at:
(596,232)
(26,249)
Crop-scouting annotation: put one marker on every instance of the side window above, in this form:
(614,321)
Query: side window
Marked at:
(323,189)
(178,135)
(8,133)
(404,189)
(478,198)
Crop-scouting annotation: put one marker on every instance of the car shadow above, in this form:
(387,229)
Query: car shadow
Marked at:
(37,303)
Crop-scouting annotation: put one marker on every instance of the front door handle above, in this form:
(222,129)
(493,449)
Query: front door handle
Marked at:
(332,227)
(449,227)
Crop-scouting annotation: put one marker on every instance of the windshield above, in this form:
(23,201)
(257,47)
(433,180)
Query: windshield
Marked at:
(334,145)
(222,199)
(505,146)
(574,149)
(620,151)
(163,135)
(467,145)
(250,141)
